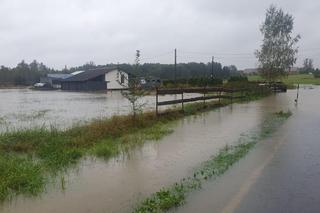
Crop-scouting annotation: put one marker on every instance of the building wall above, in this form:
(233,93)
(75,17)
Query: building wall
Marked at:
(114,80)
(84,86)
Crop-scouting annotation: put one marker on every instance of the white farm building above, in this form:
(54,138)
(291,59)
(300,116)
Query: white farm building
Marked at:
(96,79)
(116,79)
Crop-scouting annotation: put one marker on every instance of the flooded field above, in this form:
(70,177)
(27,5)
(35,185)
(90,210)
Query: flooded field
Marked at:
(25,108)
(119,184)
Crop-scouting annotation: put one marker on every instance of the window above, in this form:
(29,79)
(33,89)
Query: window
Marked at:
(122,79)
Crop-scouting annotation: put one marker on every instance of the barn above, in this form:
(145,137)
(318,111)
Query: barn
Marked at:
(54,80)
(96,80)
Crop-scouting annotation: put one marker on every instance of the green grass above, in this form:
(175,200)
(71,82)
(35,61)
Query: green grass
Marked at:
(20,175)
(292,79)
(175,195)
(282,114)
(52,151)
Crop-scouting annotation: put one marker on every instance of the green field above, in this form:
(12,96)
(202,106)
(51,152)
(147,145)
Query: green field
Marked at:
(292,79)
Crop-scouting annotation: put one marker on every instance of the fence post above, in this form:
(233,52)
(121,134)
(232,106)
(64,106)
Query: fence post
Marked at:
(231,95)
(182,100)
(242,96)
(204,96)
(157,101)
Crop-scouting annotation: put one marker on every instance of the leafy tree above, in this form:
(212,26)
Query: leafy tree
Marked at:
(307,65)
(278,50)
(34,66)
(135,92)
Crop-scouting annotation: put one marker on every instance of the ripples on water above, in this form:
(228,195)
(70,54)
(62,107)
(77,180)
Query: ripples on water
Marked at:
(118,184)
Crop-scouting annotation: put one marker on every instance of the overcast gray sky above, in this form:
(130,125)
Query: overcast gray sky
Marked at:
(72,32)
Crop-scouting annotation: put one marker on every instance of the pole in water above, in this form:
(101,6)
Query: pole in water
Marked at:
(296,100)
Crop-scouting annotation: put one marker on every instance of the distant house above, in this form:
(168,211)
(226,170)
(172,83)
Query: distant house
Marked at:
(54,80)
(150,82)
(117,79)
(250,71)
(96,79)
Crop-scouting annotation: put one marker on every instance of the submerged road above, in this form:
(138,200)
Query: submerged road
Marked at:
(282,174)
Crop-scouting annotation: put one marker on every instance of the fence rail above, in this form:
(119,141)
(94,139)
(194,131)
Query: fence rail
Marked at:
(196,90)
(221,93)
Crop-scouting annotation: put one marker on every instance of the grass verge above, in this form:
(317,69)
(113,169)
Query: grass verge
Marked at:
(175,195)
(291,80)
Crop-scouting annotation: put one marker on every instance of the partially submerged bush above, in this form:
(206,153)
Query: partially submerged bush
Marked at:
(284,114)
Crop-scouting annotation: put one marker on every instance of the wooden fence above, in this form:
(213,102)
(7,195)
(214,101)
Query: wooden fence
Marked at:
(206,94)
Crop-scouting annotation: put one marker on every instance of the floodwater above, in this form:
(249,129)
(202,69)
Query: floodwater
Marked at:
(280,175)
(25,108)
(120,183)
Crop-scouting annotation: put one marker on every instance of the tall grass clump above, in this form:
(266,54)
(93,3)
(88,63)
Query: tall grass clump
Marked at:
(174,195)
(20,175)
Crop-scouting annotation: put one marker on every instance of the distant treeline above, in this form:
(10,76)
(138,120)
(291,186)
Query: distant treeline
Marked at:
(23,74)
(167,71)
(28,74)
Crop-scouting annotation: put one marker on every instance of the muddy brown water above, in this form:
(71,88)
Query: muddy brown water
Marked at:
(281,174)
(120,183)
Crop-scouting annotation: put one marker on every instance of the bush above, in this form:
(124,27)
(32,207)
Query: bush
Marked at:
(238,79)
(193,82)
(316,74)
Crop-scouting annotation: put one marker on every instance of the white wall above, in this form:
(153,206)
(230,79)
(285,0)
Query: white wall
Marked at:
(114,78)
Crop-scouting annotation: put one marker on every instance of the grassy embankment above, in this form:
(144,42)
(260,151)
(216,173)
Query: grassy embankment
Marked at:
(175,195)
(291,80)
(31,158)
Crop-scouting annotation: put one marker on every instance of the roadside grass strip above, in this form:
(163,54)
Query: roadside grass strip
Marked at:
(175,195)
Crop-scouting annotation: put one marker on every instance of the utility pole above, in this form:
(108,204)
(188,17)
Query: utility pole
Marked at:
(175,67)
(212,67)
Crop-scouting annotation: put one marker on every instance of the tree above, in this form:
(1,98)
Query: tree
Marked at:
(135,92)
(34,66)
(307,65)
(278,50)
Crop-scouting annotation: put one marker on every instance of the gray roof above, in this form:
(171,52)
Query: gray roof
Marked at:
(59,76)
(89,74)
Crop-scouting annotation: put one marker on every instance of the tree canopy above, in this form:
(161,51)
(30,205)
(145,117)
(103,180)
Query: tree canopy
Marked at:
(307,65)
(278,50)
(23,73)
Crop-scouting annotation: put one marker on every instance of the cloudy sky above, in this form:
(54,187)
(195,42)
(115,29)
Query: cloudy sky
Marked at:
(73,32)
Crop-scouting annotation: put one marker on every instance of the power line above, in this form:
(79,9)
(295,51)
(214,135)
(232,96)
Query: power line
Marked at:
(157,56)
(303,53)
(213,53)
(239,54)
(175,67)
